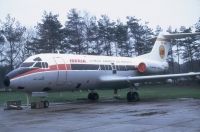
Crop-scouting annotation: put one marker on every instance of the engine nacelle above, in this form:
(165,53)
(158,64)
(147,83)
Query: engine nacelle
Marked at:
(152,67)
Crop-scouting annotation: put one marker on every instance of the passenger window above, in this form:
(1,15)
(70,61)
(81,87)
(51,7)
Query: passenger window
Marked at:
(118,67)
(106,67)
(128,68)
(102,67)
(123,68)
(109,67)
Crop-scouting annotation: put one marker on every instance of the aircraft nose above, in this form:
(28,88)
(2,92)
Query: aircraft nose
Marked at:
(6,81)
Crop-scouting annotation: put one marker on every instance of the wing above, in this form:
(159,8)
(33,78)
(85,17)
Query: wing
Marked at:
(147,78)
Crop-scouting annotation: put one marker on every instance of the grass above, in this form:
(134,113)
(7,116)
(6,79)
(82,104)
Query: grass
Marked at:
(170,92)
(148,92)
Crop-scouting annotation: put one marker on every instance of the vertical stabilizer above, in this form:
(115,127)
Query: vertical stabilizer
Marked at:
(162,45)
(160,49)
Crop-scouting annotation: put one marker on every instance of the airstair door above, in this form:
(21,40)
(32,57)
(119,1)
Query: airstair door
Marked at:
(114,69)
(61,71)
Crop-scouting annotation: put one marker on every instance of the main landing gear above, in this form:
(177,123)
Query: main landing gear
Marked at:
(132,95)
(93,96)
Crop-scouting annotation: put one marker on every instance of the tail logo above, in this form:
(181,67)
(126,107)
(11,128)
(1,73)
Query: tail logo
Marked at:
(162,51)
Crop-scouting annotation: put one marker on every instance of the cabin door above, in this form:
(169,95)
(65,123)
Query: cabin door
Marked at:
(61,71)
(114,69)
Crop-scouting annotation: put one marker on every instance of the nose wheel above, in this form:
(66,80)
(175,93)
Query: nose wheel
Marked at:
(6,82)
(93,96)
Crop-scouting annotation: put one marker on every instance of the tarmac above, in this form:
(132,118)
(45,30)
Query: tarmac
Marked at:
(176,115)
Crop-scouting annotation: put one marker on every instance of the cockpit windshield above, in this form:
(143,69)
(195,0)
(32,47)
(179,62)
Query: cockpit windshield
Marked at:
(38,65)
(27,64)
(41,65)
(35,64)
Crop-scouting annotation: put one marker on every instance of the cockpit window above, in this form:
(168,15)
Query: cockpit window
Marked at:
(35,64)
(38,65)
(44,64)
(41,65)
(27,64)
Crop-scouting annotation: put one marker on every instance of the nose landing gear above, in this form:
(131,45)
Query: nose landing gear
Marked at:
(6,82)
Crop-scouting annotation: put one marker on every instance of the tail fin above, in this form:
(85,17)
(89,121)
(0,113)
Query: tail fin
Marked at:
(162,45)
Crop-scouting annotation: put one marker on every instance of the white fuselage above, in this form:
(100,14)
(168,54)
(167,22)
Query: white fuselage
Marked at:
(58,72)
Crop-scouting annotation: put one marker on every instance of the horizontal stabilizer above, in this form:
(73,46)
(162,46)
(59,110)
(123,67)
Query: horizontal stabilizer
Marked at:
(181,35)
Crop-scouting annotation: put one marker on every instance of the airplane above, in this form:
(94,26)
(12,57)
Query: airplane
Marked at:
(61,72)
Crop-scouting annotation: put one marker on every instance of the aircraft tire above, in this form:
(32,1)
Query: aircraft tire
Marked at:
(93,96)
(133,97)
(96,96)
(90,96)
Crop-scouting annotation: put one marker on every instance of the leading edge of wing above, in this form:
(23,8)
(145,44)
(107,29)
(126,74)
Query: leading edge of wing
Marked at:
(146,78)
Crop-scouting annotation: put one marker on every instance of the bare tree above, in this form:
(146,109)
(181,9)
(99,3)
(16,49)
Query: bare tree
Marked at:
(13,31)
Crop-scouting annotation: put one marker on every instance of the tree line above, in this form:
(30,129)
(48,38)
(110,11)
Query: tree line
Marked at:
(85,34)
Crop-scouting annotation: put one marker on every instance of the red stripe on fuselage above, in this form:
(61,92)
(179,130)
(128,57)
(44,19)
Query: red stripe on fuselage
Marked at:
(61,66)
(51,68)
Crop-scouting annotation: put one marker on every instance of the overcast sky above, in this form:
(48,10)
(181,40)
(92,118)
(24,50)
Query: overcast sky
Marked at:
(157,12)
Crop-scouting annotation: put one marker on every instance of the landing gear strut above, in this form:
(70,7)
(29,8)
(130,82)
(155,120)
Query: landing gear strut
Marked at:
(28,96)
(93,96)
(116,96)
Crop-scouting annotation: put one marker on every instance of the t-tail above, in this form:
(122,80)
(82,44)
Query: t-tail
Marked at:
(162,45)
(156,60)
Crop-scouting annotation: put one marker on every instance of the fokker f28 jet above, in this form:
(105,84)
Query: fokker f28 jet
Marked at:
(61,72)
